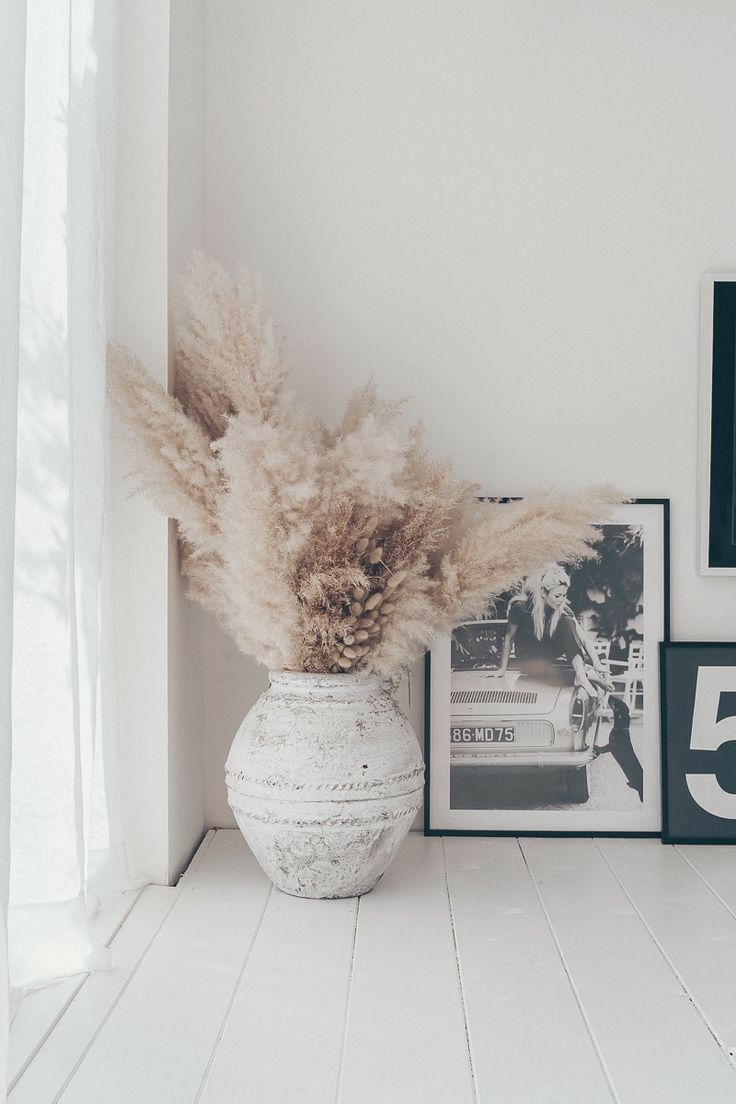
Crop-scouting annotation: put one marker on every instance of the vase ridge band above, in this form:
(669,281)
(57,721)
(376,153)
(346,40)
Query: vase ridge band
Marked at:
(337,821)
(330,787)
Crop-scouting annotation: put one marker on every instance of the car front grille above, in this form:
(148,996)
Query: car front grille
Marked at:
(493,697)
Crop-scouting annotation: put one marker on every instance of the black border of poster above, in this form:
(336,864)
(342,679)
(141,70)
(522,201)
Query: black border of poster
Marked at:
(429,831)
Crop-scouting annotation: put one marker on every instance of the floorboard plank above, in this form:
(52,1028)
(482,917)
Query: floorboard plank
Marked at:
(569,951)
(41,1009)
(283,1037)
(198,856)
(405,1040)
(655,1044)
(694,930)
(716,866)
(156,1044)
(513,977)
(57,1059)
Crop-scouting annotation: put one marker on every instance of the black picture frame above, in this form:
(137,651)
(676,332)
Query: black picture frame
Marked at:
(429,830)
(684,819)
(717,429)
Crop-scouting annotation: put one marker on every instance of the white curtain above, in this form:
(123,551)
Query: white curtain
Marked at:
(57,112)
(12,38)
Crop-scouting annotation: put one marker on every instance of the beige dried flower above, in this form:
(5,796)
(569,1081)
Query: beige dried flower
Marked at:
(319,551)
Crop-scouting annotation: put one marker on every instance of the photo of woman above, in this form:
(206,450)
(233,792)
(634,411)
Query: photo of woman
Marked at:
(543,712)
(541,629)
(555,720)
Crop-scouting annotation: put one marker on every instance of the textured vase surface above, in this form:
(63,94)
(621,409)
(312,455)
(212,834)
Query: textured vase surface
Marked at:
(325,777)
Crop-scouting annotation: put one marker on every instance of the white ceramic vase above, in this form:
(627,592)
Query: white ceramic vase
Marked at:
(325,777)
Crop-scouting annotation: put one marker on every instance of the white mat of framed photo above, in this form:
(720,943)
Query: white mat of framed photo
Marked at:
(470,791)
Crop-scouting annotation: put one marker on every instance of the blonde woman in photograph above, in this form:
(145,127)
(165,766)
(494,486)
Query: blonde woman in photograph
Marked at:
(542,629)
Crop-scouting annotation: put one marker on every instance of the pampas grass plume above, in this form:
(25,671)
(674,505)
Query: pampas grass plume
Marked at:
(317,550)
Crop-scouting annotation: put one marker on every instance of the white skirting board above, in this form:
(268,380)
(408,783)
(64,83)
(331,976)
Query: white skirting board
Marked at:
(486,971)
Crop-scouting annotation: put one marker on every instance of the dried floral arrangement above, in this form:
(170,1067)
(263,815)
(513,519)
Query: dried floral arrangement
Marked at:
(318,550)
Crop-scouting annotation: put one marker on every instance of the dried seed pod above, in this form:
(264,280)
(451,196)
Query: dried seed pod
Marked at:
(374,601)
(350,621)
(387,607)
(360,635)
(373,630)
(359,594)
(370,526)
(361,545)
(344,663)
(362,650)
(376,555)
(348,638)
(350,653)
(366,622)
(397,577)
(356,609)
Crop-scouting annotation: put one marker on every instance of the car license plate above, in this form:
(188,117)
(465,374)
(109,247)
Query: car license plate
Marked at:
(483,734)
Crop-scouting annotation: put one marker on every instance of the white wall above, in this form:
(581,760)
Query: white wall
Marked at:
(159,634)
(186,732)
(503,209)
(140,538)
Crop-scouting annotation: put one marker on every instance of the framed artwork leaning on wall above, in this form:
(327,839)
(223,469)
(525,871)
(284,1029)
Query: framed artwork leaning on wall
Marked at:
(699,742)
(717,432)
(543,717)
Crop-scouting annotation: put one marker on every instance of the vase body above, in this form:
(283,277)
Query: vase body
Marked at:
(324,777)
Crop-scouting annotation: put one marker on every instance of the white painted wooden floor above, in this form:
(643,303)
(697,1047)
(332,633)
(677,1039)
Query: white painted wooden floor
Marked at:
(479,970)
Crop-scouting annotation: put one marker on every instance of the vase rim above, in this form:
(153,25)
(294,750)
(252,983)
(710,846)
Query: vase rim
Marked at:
(309,678)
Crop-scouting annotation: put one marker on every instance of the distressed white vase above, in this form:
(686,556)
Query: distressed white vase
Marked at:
(324,778)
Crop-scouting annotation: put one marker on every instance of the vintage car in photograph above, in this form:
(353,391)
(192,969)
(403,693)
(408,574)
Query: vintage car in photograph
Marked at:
(517,721)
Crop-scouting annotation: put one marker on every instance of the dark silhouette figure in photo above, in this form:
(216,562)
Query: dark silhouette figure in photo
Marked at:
(620,746)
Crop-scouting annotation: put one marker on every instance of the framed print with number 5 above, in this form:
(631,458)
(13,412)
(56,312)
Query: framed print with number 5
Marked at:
(698,742)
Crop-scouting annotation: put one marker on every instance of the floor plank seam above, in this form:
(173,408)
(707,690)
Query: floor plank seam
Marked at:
(723,1049)
(128,911)
(348,999)
(196,860)
(461,987)
(571,981)
(73,1072)
(705,882)
(231,1002)
(730,1051)
(46,1035)
(72,997)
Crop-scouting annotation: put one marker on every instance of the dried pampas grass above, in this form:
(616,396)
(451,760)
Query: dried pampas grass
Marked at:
(316,550)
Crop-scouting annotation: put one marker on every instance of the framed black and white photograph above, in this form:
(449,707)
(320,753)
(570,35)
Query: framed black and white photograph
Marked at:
(717,434)
(698,742)
(543,716)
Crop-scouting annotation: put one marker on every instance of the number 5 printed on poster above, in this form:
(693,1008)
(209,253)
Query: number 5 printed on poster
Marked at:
(714,724)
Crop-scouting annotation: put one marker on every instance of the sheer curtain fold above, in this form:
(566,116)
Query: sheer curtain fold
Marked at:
(64,827)
(12,101)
